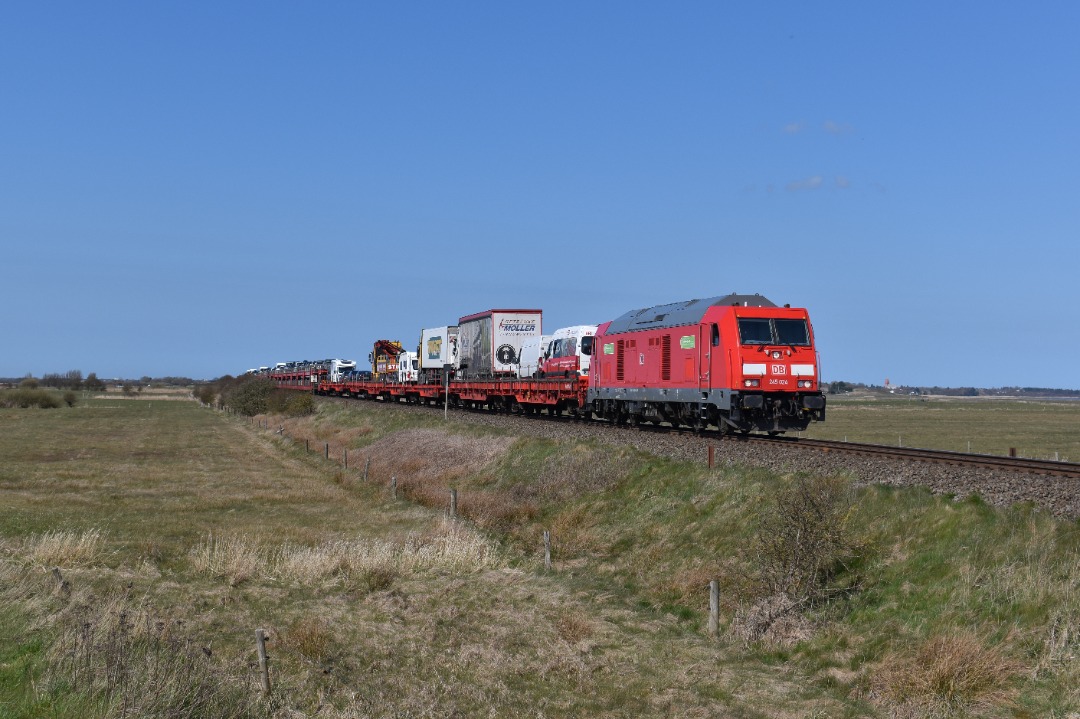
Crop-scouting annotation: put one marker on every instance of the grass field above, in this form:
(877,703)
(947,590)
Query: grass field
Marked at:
(177,531)
(1038,429)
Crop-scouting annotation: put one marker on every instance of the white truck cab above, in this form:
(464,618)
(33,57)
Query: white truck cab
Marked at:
(564,356)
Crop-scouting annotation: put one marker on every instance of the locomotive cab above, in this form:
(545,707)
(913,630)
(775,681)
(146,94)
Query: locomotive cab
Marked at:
(776,375)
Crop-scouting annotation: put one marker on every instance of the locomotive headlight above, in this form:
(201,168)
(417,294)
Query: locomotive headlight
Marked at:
(805,383)
(752,382)
(776,354)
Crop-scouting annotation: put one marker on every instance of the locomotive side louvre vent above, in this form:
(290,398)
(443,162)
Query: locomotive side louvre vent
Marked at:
(620,346)
(665,357)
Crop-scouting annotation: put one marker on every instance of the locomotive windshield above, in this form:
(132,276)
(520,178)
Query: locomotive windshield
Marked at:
(791,332)
(764,331)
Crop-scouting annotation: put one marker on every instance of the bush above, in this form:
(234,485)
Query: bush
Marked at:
(205,393)
(70,398)
(24,398)
(300,405)
(289,402)
(250,397)
(804,552)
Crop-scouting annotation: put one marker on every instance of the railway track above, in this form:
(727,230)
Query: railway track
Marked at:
(936,456)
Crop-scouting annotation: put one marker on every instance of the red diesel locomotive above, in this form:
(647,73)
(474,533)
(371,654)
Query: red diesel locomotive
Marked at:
(737,362)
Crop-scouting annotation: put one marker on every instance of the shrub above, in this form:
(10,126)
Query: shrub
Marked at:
(804,552)
(300,404)
(70,398)
(250,397)
(205,393)
(25,397)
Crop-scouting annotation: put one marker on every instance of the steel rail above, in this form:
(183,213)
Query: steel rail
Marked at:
(938,456)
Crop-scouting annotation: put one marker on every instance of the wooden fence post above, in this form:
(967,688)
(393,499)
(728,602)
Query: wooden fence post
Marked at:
(453,504)
(714,607)
(367,466)
(327,452)
(393,487)
(264,661)
(547,550)
(346,458)
(712,451)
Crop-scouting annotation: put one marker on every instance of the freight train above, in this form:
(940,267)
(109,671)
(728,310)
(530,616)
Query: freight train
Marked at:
(734,363)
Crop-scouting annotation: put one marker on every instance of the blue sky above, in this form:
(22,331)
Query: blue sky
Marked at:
(198,188)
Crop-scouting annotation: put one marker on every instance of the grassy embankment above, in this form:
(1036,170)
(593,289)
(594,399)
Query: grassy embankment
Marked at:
(179,531)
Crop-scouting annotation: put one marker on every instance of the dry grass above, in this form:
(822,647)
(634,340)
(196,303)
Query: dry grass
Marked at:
(310,637)
(573,628)
(432,457)
(233,558)
(118,653)
(63,548)
(452,546)
(947,676)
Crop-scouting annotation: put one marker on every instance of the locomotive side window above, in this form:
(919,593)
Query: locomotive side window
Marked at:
(715,335)
(792,332)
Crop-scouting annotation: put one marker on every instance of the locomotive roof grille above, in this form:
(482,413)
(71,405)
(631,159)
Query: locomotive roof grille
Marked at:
(678,314)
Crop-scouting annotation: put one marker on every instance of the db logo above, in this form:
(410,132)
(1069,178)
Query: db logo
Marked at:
(779,369)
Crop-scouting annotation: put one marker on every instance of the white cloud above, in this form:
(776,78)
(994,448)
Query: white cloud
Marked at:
(842,182)
(809,183)
(837,128)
